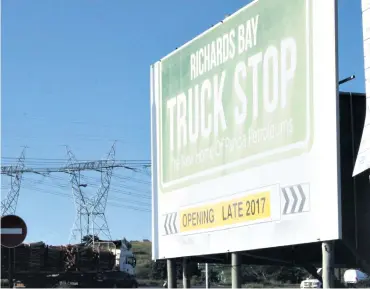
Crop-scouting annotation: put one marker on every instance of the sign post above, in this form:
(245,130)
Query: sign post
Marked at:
(13,233)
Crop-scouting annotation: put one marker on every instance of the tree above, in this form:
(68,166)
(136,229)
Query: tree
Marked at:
(192,267)
(292,274)
(214,274)
(89,238)
(144,271)
(266,274)
(159,270)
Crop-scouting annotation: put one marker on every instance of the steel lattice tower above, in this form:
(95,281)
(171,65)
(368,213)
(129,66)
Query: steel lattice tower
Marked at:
(81,226)
(9,205)
(99,203)
(90,212)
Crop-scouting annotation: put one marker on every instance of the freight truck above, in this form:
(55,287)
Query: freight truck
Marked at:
(98,265)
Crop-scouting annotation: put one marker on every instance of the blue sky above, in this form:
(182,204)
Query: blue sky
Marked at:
(76,72)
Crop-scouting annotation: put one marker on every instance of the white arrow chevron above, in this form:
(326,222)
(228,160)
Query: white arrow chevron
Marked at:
(165,224)
(170,223)
(295,199)
(174,222)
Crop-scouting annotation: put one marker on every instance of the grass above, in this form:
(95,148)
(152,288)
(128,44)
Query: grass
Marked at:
(150,283)
(142,251)
(143,254)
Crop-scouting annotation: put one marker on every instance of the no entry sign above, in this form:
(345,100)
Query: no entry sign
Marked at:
(13,231)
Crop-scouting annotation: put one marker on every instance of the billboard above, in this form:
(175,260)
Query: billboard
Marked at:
(244,146)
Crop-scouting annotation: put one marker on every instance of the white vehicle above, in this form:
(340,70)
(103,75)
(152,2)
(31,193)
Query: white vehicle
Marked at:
(311,283)
(353,276)
(126,260)
(125,266)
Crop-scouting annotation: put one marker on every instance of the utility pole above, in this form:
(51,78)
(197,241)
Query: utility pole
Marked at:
(9,205)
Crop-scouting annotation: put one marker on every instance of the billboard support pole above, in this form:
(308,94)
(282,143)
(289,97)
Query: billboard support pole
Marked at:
(171,273)
(185,273)
(236,270)
(207,281)
(328,264)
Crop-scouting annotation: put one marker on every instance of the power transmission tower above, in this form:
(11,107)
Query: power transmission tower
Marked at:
(90,212)
(81,226)
(90,218)
(99,203)
(9,205)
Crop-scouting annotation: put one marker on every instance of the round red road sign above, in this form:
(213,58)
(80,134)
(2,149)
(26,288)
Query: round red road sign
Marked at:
(13,231)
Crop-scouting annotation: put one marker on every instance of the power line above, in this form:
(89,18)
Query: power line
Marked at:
(133,191)
(32,185)
(65,160)
(74,167)
(132,179)
(137,207)
(90,217)
(65,195)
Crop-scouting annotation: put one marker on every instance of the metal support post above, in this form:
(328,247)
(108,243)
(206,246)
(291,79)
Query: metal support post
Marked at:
(185,273)
(207,278)
(328,264)
(11,267)
(171,273)
(236,270)
(337,274)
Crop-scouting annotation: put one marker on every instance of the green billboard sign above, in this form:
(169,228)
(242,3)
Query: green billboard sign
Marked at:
(237,96)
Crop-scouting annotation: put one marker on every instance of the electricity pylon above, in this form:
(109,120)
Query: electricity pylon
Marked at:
(81,227)
(99,202)
(9,204)
(90,212)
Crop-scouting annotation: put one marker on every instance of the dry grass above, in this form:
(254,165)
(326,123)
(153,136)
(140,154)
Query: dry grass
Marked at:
(143,254)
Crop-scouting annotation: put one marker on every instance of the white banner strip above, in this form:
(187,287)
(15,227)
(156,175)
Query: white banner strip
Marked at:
(11,231)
